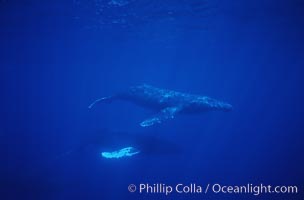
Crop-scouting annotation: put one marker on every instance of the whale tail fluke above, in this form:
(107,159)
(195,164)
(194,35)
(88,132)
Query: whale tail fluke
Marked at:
(103,99)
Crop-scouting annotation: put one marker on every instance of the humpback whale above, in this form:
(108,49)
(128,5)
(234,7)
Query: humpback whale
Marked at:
(110,144)
(167,102)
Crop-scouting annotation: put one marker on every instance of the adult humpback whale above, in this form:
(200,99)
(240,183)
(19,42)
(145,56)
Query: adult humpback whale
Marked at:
(167,102)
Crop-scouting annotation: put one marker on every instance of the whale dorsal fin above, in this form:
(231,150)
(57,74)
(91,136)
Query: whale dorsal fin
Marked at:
(166,113)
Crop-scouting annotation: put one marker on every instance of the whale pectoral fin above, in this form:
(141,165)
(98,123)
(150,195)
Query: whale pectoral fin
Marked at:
(103,99)
(167,113)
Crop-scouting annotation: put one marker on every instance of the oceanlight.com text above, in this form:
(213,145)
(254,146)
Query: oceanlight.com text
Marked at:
(216,188)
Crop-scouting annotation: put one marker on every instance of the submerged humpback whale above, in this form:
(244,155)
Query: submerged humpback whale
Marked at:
(167,102)
(110,144)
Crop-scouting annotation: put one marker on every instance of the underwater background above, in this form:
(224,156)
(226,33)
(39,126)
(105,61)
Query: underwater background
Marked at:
(57,57)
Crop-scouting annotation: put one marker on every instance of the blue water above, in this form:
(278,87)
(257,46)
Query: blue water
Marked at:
(58,56)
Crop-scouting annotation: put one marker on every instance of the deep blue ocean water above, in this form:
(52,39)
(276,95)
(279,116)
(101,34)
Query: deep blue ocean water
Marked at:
(58,56)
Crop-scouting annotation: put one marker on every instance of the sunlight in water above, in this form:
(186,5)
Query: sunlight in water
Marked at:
(118,2)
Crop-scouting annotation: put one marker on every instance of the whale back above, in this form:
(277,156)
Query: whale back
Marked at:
(157,98)
(150,96)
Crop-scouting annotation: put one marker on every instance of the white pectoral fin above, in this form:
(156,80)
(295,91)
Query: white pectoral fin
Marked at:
(150,121)
(167,113)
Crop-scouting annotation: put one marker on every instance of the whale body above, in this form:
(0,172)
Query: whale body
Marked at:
(167,102)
